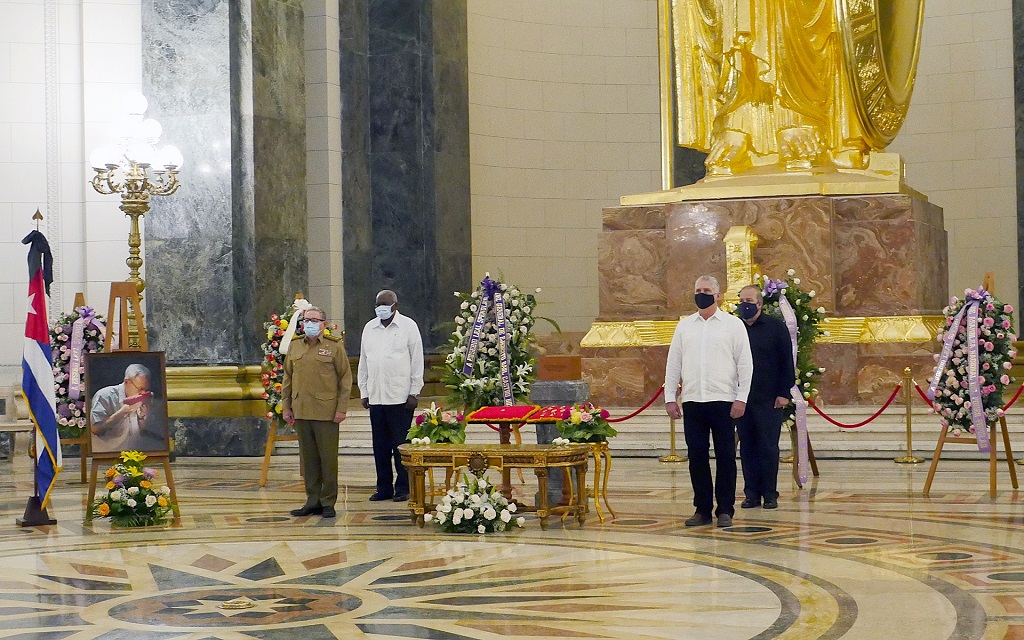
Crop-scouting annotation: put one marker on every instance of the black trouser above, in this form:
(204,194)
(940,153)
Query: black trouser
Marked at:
(703,421)
(759,430)
(390,425)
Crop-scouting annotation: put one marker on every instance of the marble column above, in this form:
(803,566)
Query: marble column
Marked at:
(225,79)
(405,159)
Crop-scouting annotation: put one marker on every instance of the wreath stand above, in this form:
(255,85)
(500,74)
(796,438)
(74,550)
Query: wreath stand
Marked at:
(988,283)
(992,455)
(131,336)
(273,438)
(83,440)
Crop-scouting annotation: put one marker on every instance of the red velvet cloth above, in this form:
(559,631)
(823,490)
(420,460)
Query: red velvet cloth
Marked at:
(550,414)
(515,413)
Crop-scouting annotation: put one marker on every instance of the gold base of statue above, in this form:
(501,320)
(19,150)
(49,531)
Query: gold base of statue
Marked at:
(672,458)
(884,175)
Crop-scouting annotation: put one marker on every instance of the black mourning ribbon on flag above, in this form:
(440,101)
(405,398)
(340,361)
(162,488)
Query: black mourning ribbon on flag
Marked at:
(39,256)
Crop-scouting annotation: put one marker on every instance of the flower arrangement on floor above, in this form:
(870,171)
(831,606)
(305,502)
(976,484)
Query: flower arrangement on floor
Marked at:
(808,318)
(954,395)
(132,500)
(491,377)
(586,423)
(474,506)
(438,425)
(72,336)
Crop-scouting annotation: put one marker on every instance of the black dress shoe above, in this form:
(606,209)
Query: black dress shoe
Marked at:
(771,504)
(307,511)
(379,497)
(750,504)
(402,497)
(329,512)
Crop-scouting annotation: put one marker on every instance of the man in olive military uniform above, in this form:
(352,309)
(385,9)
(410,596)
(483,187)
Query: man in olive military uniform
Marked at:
(315,393)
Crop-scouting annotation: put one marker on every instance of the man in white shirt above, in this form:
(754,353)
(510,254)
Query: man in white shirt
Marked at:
(390,378)
(710,354)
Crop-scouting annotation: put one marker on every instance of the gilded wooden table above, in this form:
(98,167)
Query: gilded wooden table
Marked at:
(479,457)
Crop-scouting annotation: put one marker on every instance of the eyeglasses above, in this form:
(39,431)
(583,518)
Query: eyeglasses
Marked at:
(315,319)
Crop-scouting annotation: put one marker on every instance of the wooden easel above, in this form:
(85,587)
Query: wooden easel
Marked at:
(131,329)
(131,336)
(988,283)
(83,440)
(273,438)
(992,456)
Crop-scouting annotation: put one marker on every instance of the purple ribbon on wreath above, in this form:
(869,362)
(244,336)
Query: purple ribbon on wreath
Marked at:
(86,316)
(491,294)
(800,415)
(970,310)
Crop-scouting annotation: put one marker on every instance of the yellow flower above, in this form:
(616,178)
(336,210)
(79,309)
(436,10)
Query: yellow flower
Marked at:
(270,334)
(110,486)
(111,472)
(284,323)
(574,417)
(162,501)
(145,484)
(279,408)
(103,510)
(133,456)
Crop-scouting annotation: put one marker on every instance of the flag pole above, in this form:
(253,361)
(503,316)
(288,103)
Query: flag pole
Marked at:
(37,371)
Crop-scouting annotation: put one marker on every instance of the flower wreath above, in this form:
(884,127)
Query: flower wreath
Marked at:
(273,357)
(965,403)
(480,384)
(72,336)
(808,319)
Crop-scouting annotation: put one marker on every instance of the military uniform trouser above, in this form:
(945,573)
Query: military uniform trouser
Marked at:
(318,447)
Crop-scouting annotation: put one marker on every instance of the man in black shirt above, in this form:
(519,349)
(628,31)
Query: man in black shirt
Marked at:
(761,425)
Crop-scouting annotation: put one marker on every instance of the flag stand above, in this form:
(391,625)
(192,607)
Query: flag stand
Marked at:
(35,513)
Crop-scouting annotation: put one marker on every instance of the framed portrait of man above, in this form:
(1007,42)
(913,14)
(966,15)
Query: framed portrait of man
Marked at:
(126,397)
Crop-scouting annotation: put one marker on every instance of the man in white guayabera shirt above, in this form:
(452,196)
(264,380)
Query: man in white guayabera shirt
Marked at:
(710,354)
(390,379)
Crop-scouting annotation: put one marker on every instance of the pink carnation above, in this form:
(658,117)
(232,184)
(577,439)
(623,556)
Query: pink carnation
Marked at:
(1006,324)
(586,417)
(1005,379)
(1008,308)
(988,322)
(989,346)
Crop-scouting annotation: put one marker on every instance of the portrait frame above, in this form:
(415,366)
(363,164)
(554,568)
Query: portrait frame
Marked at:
(104,371)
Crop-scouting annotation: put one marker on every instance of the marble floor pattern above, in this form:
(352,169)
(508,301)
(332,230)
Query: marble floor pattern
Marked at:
(857,553)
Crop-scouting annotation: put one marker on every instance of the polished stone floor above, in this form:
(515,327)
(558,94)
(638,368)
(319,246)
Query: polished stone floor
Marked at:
(857,553)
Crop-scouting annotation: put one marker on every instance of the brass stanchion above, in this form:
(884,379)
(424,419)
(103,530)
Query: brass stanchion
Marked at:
(672,455)
(908,397)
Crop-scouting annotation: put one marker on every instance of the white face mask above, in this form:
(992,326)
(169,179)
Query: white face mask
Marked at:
(383,311)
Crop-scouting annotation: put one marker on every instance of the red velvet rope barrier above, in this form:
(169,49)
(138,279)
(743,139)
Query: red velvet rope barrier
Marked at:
(885,406)
(641,409)
(1013,399)
(924,396)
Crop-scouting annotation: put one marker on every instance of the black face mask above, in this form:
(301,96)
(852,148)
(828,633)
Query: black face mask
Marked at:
(747,310)
(704,300)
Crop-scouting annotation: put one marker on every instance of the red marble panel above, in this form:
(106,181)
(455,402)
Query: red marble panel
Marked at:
(793,233)
(623,218)
(631,275)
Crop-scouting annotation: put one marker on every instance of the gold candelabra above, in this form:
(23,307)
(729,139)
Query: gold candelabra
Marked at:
(132,167)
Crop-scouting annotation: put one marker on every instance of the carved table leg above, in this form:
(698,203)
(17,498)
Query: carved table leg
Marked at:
(542,508)
(581,490)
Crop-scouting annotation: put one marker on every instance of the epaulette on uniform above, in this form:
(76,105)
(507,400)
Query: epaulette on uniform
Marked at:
(333,337)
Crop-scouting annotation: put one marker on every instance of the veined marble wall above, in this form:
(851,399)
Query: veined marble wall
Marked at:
(227,82)
(405,160)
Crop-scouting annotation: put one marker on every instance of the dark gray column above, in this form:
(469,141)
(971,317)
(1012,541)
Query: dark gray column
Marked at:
(405,159)
(225,79)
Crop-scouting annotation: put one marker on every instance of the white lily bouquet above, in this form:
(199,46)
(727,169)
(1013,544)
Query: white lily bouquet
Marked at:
(474,506)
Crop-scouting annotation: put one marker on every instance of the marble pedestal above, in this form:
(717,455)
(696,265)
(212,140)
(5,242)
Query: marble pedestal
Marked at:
(865,256)
(549,393)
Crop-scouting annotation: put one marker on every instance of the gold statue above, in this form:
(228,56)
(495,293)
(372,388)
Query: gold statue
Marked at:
(774,86)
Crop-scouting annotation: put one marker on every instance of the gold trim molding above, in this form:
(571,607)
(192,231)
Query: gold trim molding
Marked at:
(853,330)
(215,392)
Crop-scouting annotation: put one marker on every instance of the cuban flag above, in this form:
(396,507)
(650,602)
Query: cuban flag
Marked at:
(37,367)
